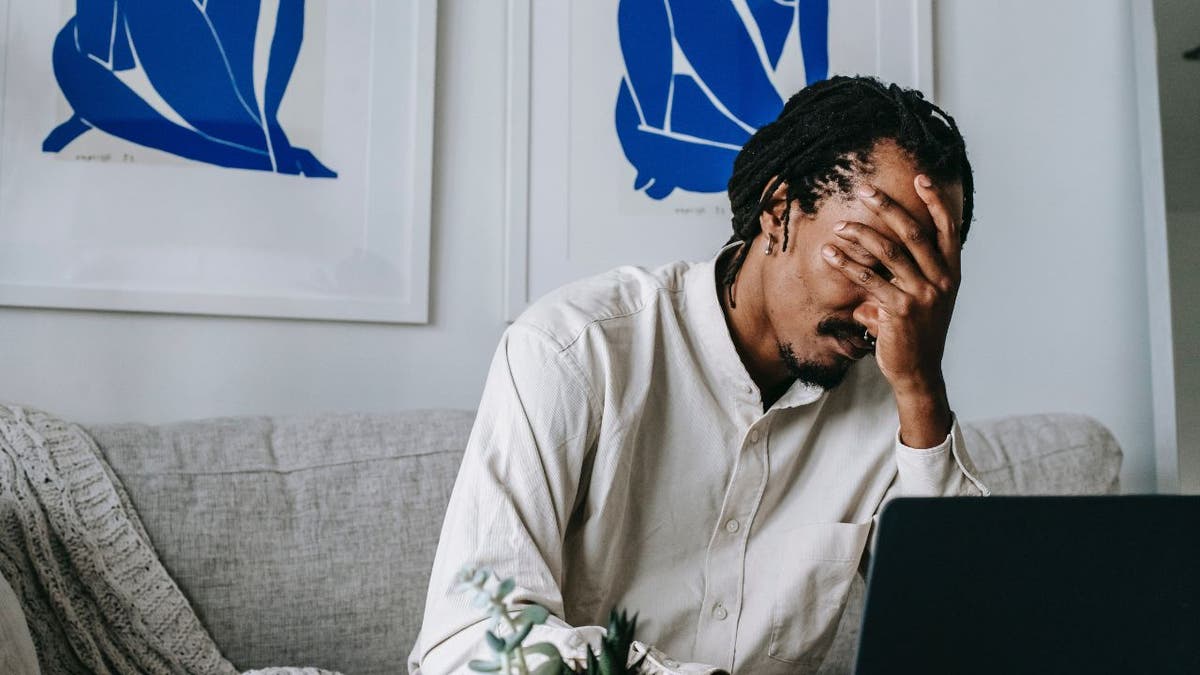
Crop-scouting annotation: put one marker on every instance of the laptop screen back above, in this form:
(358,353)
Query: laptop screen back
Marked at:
(1034,584)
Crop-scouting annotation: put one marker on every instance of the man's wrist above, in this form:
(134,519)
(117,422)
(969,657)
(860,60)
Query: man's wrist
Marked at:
(924,410)
(919,386)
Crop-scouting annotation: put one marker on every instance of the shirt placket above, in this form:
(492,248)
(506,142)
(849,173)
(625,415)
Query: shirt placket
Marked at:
(716,636)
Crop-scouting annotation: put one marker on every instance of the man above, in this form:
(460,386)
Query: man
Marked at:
(708,444)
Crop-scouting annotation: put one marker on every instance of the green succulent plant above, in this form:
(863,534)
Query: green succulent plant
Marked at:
(508,632)
(615,647)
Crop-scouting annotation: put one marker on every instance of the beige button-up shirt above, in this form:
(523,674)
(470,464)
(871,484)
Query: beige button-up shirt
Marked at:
(621,457)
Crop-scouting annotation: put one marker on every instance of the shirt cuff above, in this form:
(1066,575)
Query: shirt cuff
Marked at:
(573,642)
(944,470)
(655,662)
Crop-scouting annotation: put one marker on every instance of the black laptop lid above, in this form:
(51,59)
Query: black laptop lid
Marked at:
(1034,585)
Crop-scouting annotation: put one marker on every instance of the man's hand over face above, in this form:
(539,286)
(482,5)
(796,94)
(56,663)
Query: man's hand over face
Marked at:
(912,274)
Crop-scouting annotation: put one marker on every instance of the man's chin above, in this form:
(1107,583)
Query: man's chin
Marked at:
(824,375)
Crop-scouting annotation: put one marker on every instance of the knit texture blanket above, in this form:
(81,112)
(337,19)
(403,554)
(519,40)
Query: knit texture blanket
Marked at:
(95,596)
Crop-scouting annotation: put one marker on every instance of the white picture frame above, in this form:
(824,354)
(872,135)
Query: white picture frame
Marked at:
(108,224)
(552,235)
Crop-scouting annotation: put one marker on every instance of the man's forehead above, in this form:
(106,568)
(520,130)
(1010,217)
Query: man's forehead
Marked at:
(894,172)
(901,189)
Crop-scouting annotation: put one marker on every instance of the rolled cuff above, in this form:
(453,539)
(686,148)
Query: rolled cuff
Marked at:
(655,662)
(945,470)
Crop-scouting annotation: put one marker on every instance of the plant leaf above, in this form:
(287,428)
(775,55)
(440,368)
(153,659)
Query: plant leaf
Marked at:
(534,614)
(494,642)
(481,666)
(545,649)
(516,638)
(612,661)
(465,580)
(593,666)
(506,587)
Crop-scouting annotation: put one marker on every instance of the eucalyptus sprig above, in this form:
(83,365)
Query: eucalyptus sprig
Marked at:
(507,634)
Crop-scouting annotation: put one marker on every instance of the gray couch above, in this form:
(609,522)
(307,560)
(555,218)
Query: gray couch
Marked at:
(308,540)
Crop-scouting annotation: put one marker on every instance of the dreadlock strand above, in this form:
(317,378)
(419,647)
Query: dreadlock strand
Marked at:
(787,212)
(731,273)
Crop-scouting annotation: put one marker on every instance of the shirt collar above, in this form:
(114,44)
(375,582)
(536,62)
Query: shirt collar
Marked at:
(707,319)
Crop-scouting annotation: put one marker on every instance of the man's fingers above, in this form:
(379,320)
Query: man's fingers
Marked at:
(922,244)
(859,254)
(887,252)
(949,230)
(890,297)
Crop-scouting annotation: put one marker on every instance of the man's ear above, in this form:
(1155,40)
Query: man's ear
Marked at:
(771,219)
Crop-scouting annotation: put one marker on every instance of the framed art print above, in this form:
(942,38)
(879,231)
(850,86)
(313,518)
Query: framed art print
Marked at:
(625,116)
(234,157)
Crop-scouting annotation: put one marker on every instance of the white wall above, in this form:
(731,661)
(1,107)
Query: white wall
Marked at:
(1052,314)
(106,367)
(1051,317)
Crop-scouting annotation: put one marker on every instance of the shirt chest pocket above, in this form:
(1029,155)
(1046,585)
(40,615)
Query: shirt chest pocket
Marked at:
(822,560)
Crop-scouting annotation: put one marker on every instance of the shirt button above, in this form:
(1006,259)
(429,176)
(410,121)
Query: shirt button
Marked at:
(719,612)
(754,436)
(732,525)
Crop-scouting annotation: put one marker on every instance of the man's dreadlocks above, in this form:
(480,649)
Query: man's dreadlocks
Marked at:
(823,140)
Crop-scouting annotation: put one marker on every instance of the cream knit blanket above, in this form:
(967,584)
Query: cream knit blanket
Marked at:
(95,596)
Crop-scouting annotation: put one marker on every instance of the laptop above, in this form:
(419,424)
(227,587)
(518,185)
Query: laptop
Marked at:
(1034,585)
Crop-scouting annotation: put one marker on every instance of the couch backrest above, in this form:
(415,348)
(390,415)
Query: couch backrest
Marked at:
(300,541)
(308,541)
(1045,454)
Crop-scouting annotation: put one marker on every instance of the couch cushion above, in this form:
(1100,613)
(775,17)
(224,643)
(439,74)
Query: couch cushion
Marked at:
(301,540)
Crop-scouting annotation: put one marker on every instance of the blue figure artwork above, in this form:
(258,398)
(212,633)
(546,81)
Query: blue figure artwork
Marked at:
(700,80)
(199,56)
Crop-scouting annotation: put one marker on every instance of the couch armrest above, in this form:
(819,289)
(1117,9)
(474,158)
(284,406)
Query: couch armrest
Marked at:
(17,655)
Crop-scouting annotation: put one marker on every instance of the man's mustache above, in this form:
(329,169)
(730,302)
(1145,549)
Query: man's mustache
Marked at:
(841,328)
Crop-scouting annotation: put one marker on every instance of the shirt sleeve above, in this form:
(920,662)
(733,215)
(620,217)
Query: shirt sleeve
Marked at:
(515,492)
(945,470)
